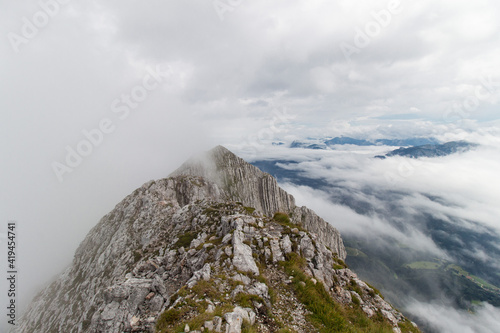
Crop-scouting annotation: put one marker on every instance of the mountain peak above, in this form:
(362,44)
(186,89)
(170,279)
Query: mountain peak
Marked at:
(242,182)
(215,245)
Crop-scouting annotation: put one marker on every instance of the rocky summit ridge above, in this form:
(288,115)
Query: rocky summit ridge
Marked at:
(218,246)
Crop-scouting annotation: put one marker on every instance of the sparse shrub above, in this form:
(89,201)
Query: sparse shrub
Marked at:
(168,318)
(247,328)
(249,210)
(407,326)
(185,240)
(354,287)
(246,300)
(137,256)
(281,218)
(206,289)
(340,263)
(374,291)
(326,314)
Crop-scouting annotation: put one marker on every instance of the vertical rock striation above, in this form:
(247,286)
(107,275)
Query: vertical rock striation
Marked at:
(249,185)
(180,249)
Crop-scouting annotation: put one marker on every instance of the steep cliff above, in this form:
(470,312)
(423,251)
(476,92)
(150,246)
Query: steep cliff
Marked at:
(245,183)
(218,246)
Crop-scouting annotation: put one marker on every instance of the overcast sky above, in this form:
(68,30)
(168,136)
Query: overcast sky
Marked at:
(136,88)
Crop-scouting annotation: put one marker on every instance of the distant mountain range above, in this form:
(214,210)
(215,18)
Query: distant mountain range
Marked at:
(431,150)
(401,272)
(344,140)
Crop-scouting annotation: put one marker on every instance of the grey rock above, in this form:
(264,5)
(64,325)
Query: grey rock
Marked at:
(276,251)
(156,303)
(227,238)
(369,312)
(109,311)
(233,322)
(246,314)
(242,181)
(246,183)
(242,254)
(217,324)
(242,278)
(128,266)
(237,290)
(286,244)
(267,253)
(260,289)
(134,321)
(390,317)
(203,273)
(307,247)
(209,325)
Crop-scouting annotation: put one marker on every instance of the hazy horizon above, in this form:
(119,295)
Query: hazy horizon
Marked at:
(99,98)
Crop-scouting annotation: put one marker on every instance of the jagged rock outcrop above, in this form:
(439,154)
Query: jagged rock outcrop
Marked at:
(190,253)
(241,181)
(245,183)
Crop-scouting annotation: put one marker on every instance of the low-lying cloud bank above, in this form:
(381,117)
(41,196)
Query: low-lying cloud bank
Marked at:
(446,319)
(442,208)
(349,222)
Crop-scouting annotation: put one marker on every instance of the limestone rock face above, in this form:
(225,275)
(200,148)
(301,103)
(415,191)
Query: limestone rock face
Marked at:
(247,184)
(190,245)
(240,180)
(242,254)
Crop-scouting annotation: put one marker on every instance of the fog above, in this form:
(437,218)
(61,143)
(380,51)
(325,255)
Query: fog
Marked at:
(98,98)
(449,320)
(388,205)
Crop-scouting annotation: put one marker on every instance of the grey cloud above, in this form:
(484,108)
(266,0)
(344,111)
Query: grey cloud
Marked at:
(439,207)
(448,320)
(65,79)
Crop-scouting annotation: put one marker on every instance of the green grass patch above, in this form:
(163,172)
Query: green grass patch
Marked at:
(185,240)
(374,291)
(246,300)
(424,265)
(326,314)
(249,210)
(137,256)
(282,218)
(339,264)
(206,289)
(247,328)
(168,318)
(195,323)
(407,326)
(460,271)
(354,287)
(353,252)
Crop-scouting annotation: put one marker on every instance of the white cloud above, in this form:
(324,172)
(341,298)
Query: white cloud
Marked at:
(449,320)
(277,54)
(350,222)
